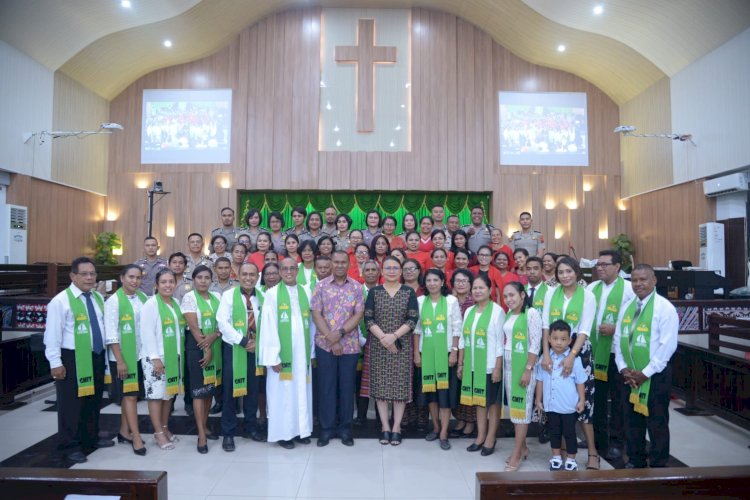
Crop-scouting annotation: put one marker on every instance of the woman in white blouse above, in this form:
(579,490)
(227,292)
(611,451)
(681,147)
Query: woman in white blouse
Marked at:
(575,305)
(520,314)
(492,342)
(121,366)
(153,358)
(440,401)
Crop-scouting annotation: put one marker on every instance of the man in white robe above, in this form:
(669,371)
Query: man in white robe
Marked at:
(289,401)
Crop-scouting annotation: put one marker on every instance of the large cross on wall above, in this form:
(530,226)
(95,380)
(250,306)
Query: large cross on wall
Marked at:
(365,55)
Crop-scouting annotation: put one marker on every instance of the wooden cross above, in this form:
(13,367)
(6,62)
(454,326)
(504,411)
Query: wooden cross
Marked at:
(364,55)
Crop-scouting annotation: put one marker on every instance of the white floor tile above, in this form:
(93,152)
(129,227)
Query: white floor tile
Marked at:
(259,480)
(357,477)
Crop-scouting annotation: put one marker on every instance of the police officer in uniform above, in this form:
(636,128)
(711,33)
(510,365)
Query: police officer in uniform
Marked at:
(479,233)
(150,265)
(227,229)
(195,256)
(530,239)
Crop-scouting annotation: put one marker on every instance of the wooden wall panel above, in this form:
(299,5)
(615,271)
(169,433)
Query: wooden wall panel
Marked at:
(664,223)
(63,221)
(457,70)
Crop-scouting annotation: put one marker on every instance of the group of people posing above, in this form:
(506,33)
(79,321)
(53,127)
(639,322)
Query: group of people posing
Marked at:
(443,320)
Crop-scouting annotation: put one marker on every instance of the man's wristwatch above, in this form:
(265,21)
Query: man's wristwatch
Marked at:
(454,349)
(342,332)
(529,367)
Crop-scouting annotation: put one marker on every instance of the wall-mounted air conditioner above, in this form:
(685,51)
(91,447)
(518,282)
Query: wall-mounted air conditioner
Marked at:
(731,183)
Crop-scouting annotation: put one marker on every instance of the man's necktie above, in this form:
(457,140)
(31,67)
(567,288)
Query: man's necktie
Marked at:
(96,333)
(635,319)
(250,317)
(532,291)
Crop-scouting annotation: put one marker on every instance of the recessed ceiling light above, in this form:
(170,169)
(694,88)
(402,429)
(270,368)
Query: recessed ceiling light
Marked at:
(561,48)
(598,9)
(126,4)
(167,43)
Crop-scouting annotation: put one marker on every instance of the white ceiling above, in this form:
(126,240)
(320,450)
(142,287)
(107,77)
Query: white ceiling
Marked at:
(633,44)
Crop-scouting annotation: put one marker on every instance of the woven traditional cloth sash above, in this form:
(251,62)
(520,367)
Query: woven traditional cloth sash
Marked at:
(207,323)
(518,360)
(127,328)
(575,307)
(635,344)
(474,381)
(602,345)
(171,334)
(284,315)
(434,341)
(82,341)
(239,354)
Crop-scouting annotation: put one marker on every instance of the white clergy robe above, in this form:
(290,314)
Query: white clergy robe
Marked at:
(289,401)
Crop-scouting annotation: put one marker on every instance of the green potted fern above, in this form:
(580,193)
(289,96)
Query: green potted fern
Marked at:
(105,244)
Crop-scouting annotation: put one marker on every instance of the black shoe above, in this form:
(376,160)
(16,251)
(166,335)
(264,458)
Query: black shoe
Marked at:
(631,465)
(360,421)
(77,457)
(122,439)
(189,410)
(486,452)
(347,441)
(141,452)
(104,443)
(212,436)
(256,436)
(228,443)
(474,447)
(396,438)
(287,445)
(385,438)
(237,407)
(455,434)
(544,435)
(614,453)
(203,449)
(432,436)
(323,441)
(215,409)
(301,440)
(445,444)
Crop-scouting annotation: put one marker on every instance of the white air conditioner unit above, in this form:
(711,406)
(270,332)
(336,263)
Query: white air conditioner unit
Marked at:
(14,234)
(711,250)
(732,183)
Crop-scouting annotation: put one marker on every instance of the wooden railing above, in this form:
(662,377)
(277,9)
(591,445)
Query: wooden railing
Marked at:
(692,482)
(55,484)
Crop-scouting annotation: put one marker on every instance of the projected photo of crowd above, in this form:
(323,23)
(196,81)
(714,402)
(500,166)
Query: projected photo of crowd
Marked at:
(543,129)
(186,127)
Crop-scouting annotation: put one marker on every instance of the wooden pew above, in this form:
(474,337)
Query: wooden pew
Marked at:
(693,482)
(54,484)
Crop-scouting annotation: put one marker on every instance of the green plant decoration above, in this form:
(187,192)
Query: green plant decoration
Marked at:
(622,244)
(105,243)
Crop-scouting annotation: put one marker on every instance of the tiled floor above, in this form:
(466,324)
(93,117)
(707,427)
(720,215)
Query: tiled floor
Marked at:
(416,469)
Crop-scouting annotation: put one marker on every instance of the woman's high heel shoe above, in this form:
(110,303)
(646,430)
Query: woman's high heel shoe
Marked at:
(165,446)
(122,439)
(172,438)
(524,456)
(141,452)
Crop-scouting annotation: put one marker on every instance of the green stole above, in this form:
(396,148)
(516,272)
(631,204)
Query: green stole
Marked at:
(171,334)
(302,280)
(82,337)
(602,345)
(207,323)
(363,330)
(260,293)
(637,351)
(474,381)
(541,292)
(284,316)
(126,327)
(575,306)
(518,360)
(434,342)
(239,354)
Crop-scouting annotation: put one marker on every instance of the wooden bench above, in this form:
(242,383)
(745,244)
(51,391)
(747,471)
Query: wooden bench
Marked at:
(54,484)
(693,482)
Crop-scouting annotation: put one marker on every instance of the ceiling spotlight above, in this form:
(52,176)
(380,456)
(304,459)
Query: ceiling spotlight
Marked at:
(561,48)
(167,43)
(598,9)
(125,4)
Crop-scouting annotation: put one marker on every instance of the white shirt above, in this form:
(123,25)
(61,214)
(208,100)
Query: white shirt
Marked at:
(190,304)
(229,334)
(534,324)
(664,328)
(627,296)
(587,316)
(494,334)
(455,322)
(152,341)
(112,321)
(58,332)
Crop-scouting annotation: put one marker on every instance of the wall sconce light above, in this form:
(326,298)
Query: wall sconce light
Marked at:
(549,204)
(572,204)
(141,183)
(559,233)
(170,231)
(111,215)
(226,183)
(621,206)
(587,187)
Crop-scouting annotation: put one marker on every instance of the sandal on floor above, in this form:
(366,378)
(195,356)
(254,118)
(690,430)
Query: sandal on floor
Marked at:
(165,446)
(395,438)
(524,456)
(598,463)
(385,438)
(172,438)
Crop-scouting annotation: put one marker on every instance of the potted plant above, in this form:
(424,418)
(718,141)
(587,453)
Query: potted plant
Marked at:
(622,244)
(105,244)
